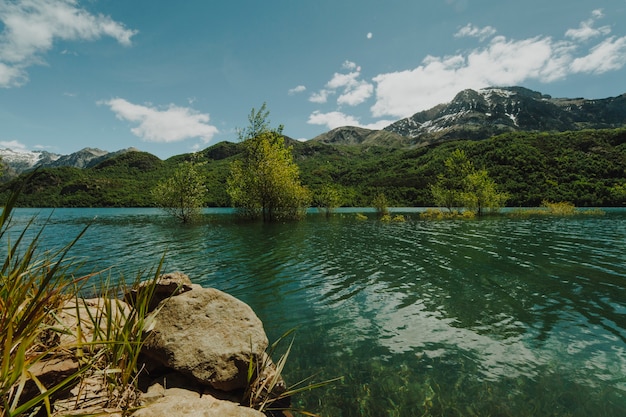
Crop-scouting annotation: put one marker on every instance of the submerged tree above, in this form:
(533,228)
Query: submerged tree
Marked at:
(462,185)
(381,205)
(327,199)
(265,181)
(183,194)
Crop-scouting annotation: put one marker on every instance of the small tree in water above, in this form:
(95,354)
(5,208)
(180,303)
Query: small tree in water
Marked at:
(327,199)
(381,205)
(265,181)
(462,185)
(183,194)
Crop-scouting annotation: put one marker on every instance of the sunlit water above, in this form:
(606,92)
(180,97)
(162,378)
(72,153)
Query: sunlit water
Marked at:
(499,316)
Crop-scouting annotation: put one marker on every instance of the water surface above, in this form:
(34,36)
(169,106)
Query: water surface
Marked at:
(503,316)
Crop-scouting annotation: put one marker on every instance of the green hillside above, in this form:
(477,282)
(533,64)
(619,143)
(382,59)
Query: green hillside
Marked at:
(587,168)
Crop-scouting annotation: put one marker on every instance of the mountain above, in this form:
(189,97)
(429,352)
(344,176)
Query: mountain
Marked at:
(15,163)
(350,135)
(491,111)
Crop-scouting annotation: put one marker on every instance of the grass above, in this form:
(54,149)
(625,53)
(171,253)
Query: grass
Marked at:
(36,290)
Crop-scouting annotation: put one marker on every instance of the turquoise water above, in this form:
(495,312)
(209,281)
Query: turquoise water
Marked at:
(502,316)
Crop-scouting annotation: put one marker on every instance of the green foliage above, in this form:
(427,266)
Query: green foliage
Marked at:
(258,123)
(32,289)
(35,290)
(381,205)
(461,185)
(265,181)
(182,195)
(585,167)
(327,199)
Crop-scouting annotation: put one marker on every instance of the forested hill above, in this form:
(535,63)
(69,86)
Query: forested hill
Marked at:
(586,167)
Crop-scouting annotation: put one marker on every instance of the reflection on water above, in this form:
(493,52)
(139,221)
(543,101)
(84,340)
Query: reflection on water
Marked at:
(498,316)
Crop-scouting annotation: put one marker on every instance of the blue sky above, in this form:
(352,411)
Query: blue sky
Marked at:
(170,77)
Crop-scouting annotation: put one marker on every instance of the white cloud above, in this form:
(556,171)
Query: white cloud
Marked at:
(172,124)
(352,90)
(356,94)
(349,65)
(320,97)
(586,30)
(32,26)
(609,55)
(470,30)
(14,145)
(335,119)
(332,119)
(296,90)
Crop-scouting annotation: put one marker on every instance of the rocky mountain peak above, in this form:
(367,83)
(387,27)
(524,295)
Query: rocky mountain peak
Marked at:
(479,114)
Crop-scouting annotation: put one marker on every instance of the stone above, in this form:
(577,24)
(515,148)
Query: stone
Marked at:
(167,285)
(208,335)
(176,402)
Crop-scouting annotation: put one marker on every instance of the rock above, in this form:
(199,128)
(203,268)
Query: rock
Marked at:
(208,335)
(167,285)
(176,402)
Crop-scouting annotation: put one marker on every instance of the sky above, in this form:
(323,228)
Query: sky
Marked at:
(171,77)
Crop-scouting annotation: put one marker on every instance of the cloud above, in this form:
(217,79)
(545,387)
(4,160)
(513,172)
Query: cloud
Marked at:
(31,27)
(470,30)
(609,55)
(336,119)
(351,89)
(14,145)
(171,124)
(349,65)
(320,97)
(332,119)
(296,90)
(586,30)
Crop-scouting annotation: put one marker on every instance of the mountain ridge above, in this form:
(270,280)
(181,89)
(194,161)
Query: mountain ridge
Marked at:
(480,114)
(471,114)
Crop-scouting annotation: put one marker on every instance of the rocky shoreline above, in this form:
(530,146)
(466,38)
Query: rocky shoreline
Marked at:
(195,358)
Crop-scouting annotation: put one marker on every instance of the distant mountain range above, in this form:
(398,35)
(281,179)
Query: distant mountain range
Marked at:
(17,162)
(472,114)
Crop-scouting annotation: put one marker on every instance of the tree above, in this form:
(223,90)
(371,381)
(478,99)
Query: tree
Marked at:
(258,123)
(461,185)
(380,204)
(265,181)
(327,199)
(183,194)
(482,193)
(450,187)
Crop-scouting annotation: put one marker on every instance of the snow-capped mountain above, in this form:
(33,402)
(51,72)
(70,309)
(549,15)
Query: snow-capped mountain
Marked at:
(16,162)
(490,111)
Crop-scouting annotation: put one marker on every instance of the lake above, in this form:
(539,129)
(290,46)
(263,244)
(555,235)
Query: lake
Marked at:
(501,316)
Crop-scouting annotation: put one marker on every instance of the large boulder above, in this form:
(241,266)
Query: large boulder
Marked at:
(208,335)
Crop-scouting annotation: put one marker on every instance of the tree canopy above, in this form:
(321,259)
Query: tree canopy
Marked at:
(265,181)
(461,185)
(183,193)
